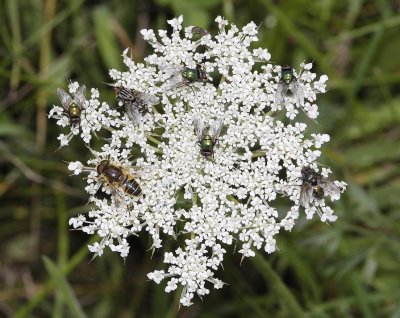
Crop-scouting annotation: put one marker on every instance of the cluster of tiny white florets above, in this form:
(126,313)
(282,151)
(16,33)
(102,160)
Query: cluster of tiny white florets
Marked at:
(96,116)
(231,196)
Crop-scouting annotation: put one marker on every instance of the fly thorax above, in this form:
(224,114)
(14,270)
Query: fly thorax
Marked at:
(287,75)
(190,74)
(207,142)
(124,95)
(74,110)
(287,78)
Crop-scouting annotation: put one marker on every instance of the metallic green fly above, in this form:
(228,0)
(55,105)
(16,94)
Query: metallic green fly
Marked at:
(207,136)
(289,85)
(181,76)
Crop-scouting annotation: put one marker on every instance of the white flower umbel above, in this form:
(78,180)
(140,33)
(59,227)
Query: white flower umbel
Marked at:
(210,159)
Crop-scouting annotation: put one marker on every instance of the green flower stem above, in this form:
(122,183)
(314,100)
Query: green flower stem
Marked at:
(232,199)
(220,82)
(174,309)
(277,286)
(258,153)
(49,285)
(152,139)
(158,151)
(195,199)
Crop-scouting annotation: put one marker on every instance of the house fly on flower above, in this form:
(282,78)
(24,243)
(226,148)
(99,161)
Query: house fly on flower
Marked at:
(136,103)
(315,186)
(73,106)
(207,136)
(289,85)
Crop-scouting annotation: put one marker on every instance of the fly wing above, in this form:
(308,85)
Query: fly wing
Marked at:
(64,97)
(139,102)
(175,73)
(119,197)
(305,195)
(329,187)
(148,98)
(298,92)
(80,95)
(176,80)
(170,69)
(132,112)
(198,127)
(280,94)
(216,129)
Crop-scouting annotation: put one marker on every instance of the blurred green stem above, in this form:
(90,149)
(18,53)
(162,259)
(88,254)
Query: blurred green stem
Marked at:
(44,63)
(367,29)
(48,286)
(228,9)
(300,37)
(277,287)
(63,246)
(13,11)
(174,309)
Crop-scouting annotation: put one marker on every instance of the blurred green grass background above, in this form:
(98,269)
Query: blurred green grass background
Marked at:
(349,269)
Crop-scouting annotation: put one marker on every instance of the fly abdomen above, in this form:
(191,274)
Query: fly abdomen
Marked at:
(132,187)
(74,113)
(74,121)
(287,75)
(318,192)
(207,153)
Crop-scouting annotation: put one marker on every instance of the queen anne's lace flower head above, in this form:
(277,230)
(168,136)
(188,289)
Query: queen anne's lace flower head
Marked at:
(196,152)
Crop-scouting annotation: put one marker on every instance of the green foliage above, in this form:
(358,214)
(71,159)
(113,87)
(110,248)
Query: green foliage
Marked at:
(347,269)
(64,290)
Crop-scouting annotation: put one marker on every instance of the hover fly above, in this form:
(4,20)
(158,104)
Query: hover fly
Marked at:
(73,106)
(184,76)
(136,103)
(315,186)
(207,136)
(289,85)
(119,180)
